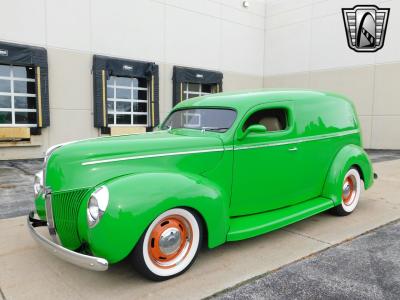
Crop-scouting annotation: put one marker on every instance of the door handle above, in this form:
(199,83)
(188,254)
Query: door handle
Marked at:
(293,149)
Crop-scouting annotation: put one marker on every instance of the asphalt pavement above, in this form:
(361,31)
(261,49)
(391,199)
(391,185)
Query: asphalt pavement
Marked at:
(367,267)
(16,186)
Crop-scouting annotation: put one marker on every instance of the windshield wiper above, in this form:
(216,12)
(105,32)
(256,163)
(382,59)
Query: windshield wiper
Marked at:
(213,128)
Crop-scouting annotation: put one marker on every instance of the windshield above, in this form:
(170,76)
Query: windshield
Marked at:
(213,119)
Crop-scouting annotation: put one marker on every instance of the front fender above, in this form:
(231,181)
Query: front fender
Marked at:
(348,156)
(137,199)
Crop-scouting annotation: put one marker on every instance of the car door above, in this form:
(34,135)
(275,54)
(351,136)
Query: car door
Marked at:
(266,173)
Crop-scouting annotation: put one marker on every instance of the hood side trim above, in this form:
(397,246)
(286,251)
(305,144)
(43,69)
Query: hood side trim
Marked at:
(151,156)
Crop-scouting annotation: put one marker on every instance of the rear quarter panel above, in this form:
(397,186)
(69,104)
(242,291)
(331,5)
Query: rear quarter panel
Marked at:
(326,124)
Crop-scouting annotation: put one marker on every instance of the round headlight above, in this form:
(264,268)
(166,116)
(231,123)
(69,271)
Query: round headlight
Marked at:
(93,209)
(38,183)
(97,205)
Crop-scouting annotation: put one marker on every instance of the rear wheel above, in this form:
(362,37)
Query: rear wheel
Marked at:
(351,190)
(169,246)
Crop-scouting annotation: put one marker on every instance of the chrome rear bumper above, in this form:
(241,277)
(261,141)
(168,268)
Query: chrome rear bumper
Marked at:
(81,260)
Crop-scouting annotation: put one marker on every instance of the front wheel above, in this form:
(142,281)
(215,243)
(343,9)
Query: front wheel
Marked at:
(351,190)
(169,246)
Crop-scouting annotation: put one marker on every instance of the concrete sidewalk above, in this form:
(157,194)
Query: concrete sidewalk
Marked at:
(27,271)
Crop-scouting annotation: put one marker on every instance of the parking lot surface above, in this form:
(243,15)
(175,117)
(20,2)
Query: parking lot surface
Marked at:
(28,271)
(16,186)
(367,267)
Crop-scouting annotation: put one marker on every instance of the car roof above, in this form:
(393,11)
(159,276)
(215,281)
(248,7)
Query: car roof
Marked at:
(243,100)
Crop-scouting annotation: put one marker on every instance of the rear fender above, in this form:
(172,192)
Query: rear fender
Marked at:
(349,156)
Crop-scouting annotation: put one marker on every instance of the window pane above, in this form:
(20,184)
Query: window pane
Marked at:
(25,118)
(191,96)
(123,106)
(140,119)
(194,87)
(24,102)
(274,119)
(24,72)
(142,82)
(24,87)
(123,119)
(123,94)
(123,81)
(110,92)
(142,95)
(209,118)
(110,119)
(110,81)
(135,82)
(110,106)
(5,86)
(5,117)
(206,88)
(5,70)
(139,107)
(5,101)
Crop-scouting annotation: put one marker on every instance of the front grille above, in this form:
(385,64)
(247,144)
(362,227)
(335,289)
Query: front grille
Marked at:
(65,210)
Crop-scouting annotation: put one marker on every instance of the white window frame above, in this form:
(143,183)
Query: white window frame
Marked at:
(190,124)
(198,93)
(13,110)
(132,100)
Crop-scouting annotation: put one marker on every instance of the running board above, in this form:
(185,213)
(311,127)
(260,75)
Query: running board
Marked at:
(249,226)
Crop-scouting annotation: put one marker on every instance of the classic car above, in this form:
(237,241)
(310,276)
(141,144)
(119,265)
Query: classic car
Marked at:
(222,167)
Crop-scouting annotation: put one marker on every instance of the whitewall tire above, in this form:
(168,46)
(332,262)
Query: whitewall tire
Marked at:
(169,246)
(350,193)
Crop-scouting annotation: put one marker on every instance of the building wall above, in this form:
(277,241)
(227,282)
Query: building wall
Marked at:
(273,43)
(209,34)
(306,47)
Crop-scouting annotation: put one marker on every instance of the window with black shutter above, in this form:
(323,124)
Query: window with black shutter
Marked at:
(125,93)
(24,100)
(189,83)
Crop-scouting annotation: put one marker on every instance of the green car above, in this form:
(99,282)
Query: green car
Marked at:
(222,167)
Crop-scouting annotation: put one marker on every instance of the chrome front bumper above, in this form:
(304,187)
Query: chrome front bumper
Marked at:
(81,260)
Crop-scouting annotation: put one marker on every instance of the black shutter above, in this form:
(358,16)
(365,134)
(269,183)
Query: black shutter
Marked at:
(104,67)
(192,75)
(36,57)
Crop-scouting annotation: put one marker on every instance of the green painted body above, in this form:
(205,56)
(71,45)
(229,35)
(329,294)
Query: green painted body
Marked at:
(241,187)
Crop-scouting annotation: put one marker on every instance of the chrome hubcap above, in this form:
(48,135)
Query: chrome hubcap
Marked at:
(170,241)
(346,190)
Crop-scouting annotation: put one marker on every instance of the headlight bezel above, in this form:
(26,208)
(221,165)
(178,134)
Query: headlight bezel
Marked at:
(97,204)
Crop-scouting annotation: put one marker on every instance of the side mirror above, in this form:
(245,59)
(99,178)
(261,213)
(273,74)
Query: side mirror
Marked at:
(256,128)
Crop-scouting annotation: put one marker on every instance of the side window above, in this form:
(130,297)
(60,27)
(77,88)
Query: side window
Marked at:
(274,119)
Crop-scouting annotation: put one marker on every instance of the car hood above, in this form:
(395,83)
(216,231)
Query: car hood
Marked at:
(88,163)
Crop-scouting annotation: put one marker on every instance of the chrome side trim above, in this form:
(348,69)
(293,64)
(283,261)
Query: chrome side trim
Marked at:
(229,148)
(299,140)
(151,156)
(84,261)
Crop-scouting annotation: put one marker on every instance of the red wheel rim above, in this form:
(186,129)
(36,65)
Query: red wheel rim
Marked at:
(170,241)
